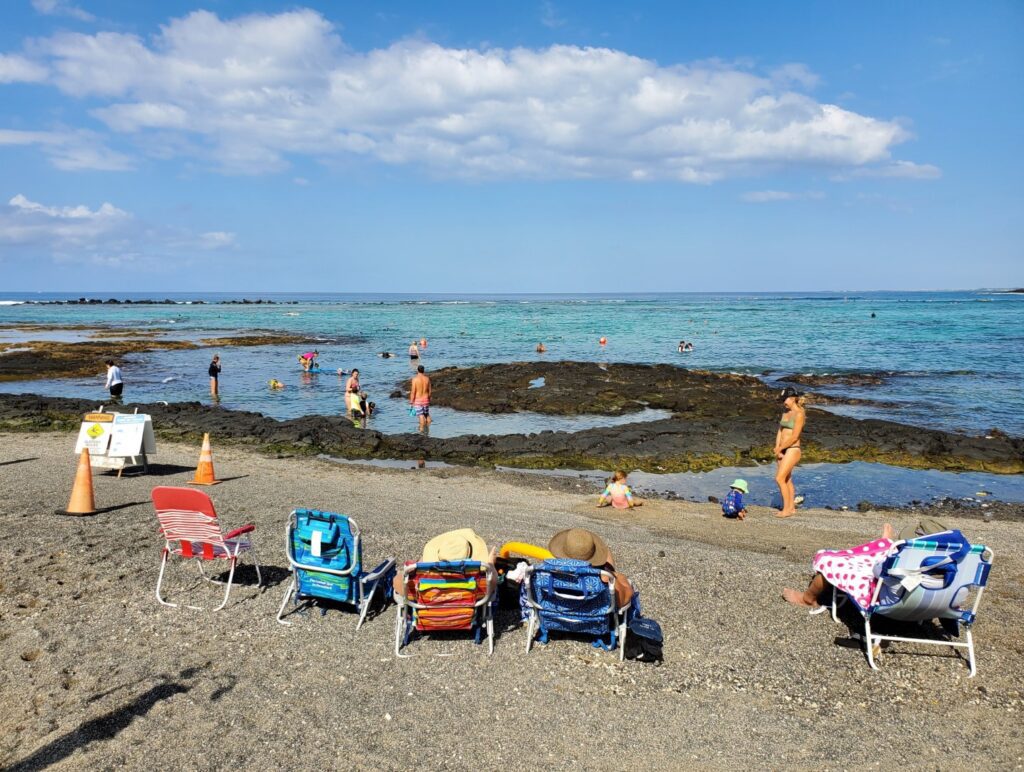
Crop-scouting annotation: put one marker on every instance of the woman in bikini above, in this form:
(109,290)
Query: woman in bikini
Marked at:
(787,448)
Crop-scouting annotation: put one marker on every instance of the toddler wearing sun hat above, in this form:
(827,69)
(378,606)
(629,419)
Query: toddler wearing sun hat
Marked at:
(732,504)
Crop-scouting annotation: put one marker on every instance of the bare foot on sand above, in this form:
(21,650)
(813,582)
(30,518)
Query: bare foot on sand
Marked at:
(888,532)
(785,514)
(797,598)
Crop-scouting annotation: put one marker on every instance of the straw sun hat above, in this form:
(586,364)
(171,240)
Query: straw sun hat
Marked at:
(461,544)
(579,544)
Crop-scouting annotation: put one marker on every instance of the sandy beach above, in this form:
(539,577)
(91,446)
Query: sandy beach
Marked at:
(98,675)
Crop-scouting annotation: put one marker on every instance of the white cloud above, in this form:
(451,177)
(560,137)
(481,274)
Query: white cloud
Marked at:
(216,240)
(61,8)
(247,93)
(68,150)
(549,15)
(105,236)
(768,196)
(907,170)
(18,69)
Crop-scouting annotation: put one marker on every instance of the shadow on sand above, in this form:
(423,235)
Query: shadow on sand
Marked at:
(110,724)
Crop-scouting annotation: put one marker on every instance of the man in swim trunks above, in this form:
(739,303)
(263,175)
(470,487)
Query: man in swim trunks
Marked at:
(419,397)
(414,353)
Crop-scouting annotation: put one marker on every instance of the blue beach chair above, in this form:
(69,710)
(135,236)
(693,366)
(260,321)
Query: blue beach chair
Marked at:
(925,579)
(326,559)
(571,596)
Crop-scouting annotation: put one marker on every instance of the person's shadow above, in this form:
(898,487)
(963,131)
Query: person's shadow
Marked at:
(110,724)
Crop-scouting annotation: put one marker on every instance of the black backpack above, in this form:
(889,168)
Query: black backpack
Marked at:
(644,641)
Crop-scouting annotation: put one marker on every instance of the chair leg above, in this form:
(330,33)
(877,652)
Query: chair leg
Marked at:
(366,600)
(622,640)
(256,562)
(490,633)
(869,644)
(227,588)
(971,663)
(400,630)
(529,630)
(159,582)
(287,595)
(835,616)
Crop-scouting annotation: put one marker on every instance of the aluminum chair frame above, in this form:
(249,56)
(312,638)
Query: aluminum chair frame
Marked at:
(873,640)
(617,614)
(220,542)
(406,607)
(368,584)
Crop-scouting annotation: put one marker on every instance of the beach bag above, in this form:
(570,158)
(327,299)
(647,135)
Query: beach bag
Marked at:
(644,641)
(732,503)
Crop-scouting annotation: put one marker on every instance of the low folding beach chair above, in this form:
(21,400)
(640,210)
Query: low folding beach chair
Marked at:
(188,523)
(571,596)
(926,579)
(445,597)
(325,554)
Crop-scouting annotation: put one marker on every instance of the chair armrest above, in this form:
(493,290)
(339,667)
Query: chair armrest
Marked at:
(385,565)
(240,531)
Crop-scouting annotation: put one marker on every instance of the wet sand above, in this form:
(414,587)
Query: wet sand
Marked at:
(98,675)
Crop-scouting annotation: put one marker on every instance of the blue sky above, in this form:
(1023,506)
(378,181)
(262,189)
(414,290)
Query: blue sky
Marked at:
(552,146)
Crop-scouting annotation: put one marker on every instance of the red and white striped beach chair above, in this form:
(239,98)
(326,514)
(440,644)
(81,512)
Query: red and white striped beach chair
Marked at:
(188,523)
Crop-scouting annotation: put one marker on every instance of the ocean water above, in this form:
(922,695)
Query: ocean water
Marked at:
(822,485)
(956,359)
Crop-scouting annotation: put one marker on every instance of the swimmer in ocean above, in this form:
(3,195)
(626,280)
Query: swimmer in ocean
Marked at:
(541,348)
(275,384)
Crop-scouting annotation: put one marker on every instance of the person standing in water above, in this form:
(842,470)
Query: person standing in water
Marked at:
(352,394)
(414,352)
(419,397)
(787,447)
(215,377)
(114,382)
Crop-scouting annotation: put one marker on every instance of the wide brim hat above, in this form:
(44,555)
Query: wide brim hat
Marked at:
(579,544)
(740,485)
(460,544)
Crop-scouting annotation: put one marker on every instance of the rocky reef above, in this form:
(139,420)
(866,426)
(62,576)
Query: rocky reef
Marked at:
(35,359)
(733,425)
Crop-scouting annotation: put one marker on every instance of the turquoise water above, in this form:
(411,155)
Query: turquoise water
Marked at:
(957,358)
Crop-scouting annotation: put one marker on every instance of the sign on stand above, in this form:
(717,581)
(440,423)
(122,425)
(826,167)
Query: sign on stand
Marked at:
(94,435)
(117,440)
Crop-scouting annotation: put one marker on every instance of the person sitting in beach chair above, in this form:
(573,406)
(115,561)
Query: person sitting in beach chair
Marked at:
(923,578)
(325,554)
(579,591)
(452,587)
(618,494)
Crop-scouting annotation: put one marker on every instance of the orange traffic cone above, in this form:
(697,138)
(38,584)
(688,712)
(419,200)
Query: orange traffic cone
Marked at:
(204,472)
(82,501)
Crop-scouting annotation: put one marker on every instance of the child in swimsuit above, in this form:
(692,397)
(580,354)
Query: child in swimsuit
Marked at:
(618,494)
(732,504)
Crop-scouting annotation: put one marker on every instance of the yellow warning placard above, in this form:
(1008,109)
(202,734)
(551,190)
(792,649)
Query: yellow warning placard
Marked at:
(94,433)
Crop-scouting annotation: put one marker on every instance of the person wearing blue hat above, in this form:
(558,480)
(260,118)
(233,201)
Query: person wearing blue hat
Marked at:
(732,505)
